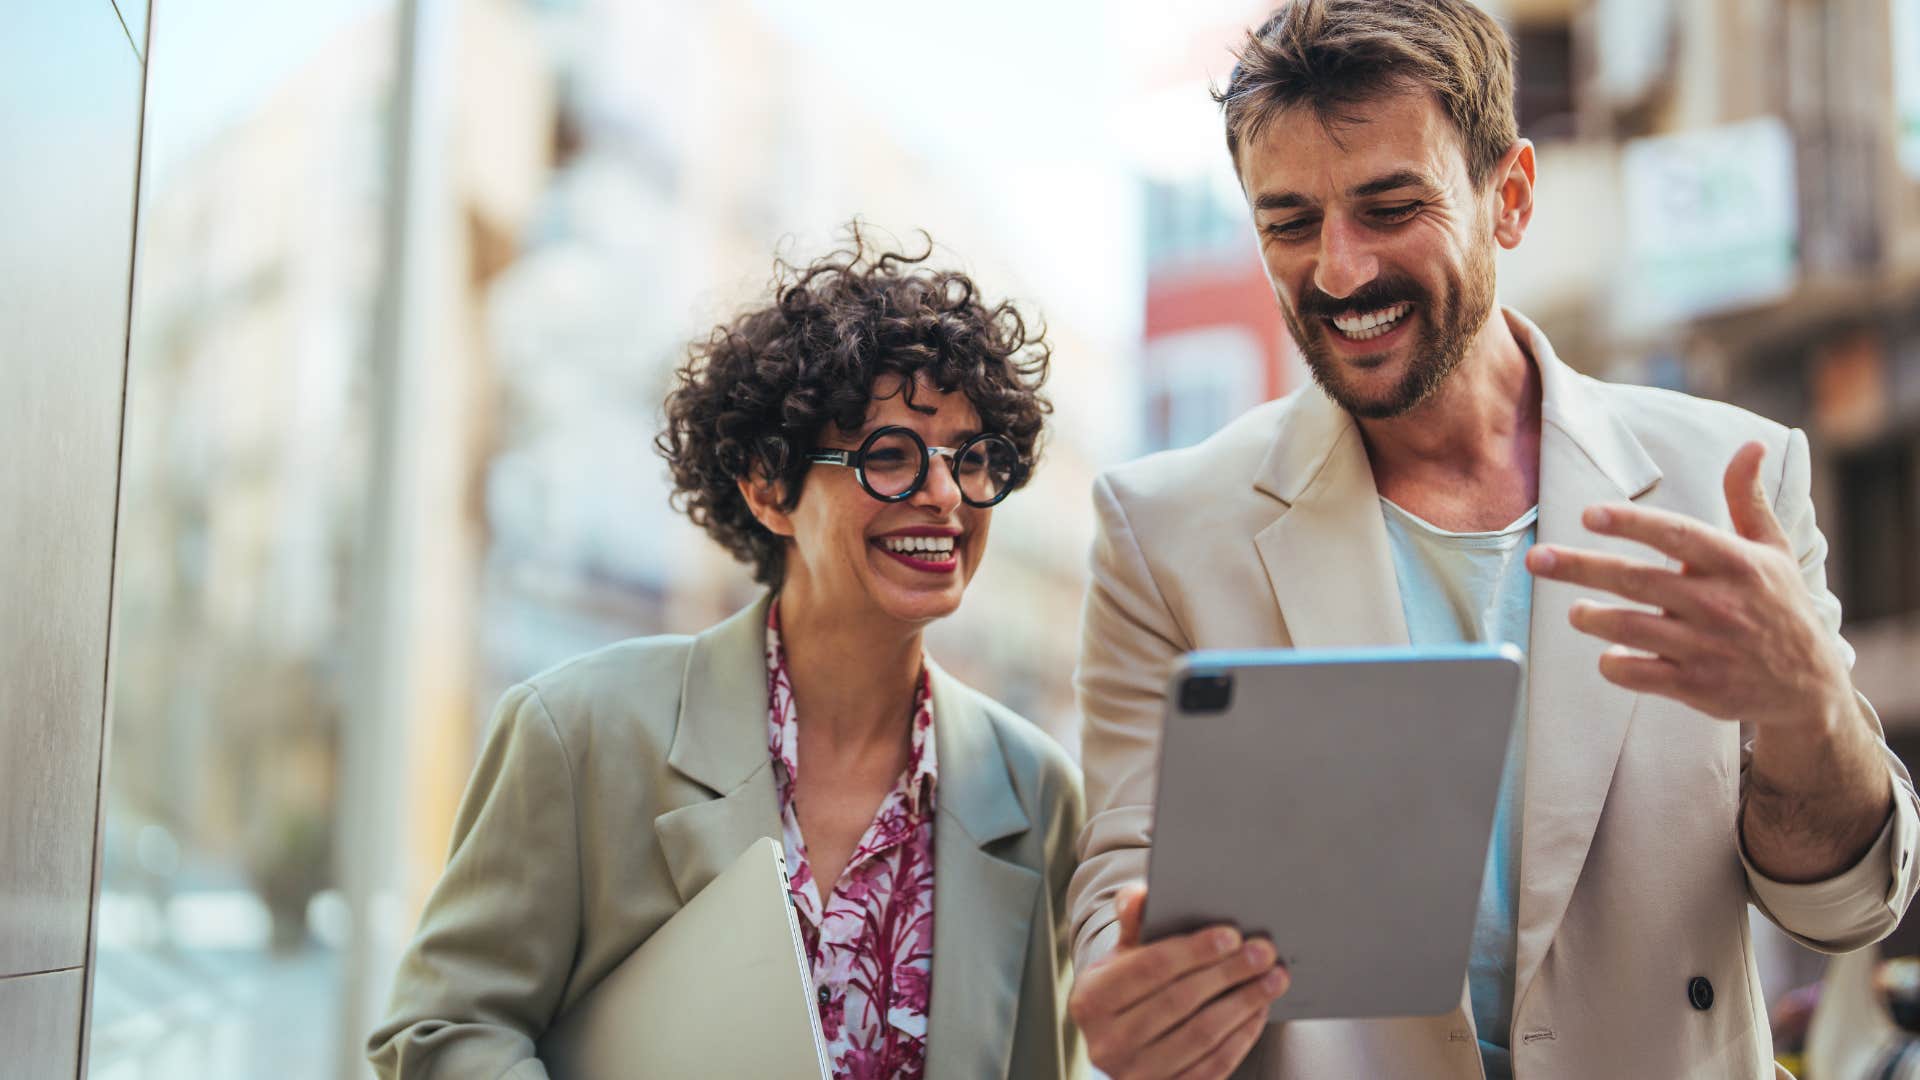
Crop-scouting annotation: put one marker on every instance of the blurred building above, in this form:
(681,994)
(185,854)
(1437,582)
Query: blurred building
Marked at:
(1730,205)
(242,487)
(1213,343)
(249,871)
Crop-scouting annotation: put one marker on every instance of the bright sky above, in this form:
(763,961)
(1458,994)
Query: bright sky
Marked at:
(1029,68)
(1056,79)
(215,61)
(1054,87)
(1032,72)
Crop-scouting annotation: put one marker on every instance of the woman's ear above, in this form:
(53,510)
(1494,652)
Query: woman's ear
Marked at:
(762,493)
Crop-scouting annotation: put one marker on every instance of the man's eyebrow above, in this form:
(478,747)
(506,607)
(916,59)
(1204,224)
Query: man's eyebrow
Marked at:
(1281,200)
(1393,181)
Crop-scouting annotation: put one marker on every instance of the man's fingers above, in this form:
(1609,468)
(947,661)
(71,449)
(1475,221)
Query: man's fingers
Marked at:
(1129,976)
(1227,1056)
(1644,674)
(1648,632)
(1129,906)
(1644,583)
(1699,545)
(1188,1044)
(1747,498)
(1154,1016)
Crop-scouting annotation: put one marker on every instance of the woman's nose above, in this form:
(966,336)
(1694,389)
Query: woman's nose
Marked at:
(941,491)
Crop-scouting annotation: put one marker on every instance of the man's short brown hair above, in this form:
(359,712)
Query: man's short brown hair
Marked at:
(1332,55)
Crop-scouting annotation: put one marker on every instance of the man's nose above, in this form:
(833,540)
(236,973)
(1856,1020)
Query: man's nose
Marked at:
(1346,262)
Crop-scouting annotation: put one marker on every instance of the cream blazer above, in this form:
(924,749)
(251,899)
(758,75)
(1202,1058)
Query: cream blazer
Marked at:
(1633,882)
(612,788)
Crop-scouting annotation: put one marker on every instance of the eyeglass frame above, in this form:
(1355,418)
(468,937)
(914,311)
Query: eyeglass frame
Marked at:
(856,460)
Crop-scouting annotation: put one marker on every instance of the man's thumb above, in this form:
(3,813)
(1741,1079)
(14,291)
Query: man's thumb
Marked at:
(1129,906)
(1747,497)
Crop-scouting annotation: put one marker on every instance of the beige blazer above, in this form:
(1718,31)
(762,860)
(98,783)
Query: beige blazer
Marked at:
(1633,882)
(612,788)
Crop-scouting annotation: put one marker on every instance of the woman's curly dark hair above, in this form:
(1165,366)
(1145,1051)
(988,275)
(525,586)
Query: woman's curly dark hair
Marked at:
(759,391)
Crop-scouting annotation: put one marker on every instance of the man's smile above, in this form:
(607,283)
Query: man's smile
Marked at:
(1365,326)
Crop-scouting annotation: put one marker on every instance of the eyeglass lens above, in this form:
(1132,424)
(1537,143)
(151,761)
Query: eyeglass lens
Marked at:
(985,469)
(895,463)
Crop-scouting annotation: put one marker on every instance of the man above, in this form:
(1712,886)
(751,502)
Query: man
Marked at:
(1691,740)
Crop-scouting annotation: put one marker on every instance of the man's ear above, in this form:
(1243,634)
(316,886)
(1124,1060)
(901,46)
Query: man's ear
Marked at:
(1513,188)
(762,493)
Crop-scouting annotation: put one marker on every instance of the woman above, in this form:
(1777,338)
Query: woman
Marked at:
(848,441)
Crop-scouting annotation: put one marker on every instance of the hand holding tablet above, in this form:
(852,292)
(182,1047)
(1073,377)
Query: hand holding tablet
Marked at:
(1191,1004)
(1303,798)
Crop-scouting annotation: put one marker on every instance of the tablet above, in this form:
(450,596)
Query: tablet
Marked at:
(723,988)
(1338,802)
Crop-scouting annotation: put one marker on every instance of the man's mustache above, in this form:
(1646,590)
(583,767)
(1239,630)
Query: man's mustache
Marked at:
(1374,295)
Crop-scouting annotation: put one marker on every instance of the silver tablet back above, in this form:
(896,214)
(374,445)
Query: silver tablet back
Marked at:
(1339,802)
(722,989)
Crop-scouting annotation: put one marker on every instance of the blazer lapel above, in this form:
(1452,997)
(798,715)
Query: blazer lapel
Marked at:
(1577,720)
(983,906)
(1326,556)
(721,743)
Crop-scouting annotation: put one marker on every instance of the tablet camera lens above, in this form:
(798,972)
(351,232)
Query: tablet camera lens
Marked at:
(1206,693)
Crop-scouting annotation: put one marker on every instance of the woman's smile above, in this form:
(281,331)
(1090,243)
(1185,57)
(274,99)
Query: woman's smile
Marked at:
(927,549)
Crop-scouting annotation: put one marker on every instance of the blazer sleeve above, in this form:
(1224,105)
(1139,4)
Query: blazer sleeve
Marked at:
(1862,904)
(1129,642)
(484,974)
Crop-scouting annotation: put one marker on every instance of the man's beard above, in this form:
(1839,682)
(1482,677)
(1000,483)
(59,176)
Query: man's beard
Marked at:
(1446,333)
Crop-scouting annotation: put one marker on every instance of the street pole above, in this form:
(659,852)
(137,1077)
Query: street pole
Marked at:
(382,656)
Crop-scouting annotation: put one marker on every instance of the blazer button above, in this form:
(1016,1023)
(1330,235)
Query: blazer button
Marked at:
(1700,993)
(826,996)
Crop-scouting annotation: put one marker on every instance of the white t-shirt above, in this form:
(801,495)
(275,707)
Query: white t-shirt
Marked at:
(1474,587)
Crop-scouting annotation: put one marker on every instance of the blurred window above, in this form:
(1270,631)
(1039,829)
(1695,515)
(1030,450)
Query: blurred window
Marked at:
(1544,94)
(1880,528)
(1202,379)
(1191,220)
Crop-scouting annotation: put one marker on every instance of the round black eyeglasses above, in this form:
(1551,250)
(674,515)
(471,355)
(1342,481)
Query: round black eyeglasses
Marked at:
(892,464)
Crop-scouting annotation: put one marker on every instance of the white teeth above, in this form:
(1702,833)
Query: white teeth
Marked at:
(1372,324)
(941,547)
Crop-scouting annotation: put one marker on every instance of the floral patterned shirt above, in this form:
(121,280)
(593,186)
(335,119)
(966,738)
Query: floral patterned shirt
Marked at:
(870,939)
